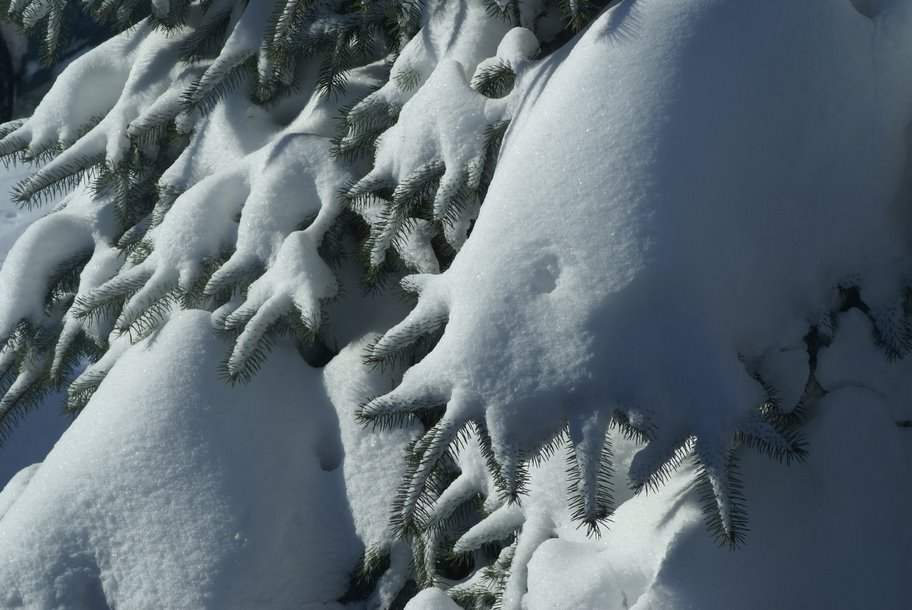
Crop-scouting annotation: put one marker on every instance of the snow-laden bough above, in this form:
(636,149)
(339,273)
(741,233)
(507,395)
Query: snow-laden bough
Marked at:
(746,188)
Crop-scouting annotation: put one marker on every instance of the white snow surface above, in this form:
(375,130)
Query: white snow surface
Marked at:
(673,198)
(676,204)
(373,459)
(682,191)
(817,540)
(174,490)
(13,220)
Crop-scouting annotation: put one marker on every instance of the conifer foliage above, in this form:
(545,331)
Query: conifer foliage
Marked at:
(243,157)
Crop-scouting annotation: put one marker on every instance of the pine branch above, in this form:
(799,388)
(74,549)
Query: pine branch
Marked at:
(494,80)
(226,282)
(578,13)
(633,426)
(775,434)
(423,483)
(73,349)
(13,148)
(216,83)
(109,299)
(506,10)
(360,124)
(654,464)
(205,41)
(590,469)
(721,495)
(262,330)
(53,181)
(892,326)
(167,195)
(54,30)
(173,19)
(363,581)
(405,342)
(81,390)
(64,281)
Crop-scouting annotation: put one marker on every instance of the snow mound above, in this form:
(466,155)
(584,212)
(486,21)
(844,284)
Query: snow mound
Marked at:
(160,494)
(738,189)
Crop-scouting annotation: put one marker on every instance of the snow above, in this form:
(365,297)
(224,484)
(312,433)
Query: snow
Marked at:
(160,494)
(44,246)
(651,274)
(373,466)
(822,541)
(795,532)
(36,434)
(699,262)
(89,108)
(685,194)
(447,143)
(431,599)
(290,205)
(15,220)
